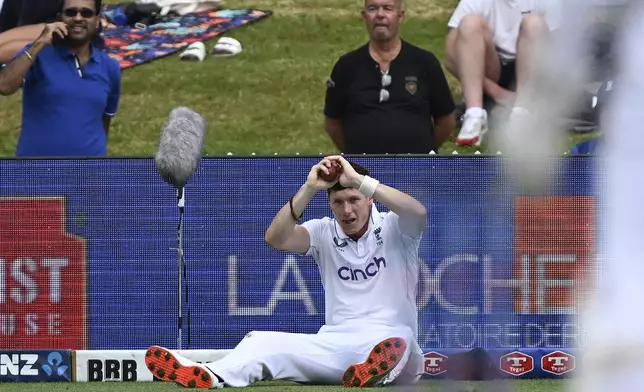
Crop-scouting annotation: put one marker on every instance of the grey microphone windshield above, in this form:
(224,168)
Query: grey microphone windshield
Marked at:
(180,146)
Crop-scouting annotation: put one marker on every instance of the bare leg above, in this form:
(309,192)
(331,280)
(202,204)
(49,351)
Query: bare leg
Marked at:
(533,34)
(476,58)
(11,41)
(472,57)
(550,91)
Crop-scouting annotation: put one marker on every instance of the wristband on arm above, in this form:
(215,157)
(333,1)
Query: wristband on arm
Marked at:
(295,217)
(368,186)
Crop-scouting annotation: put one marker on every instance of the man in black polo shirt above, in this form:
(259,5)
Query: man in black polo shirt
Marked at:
(388,96)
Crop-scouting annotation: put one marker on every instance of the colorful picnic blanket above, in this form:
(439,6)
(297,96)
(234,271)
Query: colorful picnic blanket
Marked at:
(133,46)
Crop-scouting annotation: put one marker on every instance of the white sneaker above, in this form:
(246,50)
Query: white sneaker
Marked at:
(473,129)
(167,366)
(196,51)
(226,47)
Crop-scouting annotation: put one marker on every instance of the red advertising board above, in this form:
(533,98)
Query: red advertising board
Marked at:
(42,277)
(554,252)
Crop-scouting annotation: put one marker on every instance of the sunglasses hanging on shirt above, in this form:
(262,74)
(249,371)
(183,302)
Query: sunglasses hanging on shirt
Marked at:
(78,67)
(385,81)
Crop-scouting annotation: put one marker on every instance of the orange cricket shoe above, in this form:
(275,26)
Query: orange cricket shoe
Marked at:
(171,367)
(384,357)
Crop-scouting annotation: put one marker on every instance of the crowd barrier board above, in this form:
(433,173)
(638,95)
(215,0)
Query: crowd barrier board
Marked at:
(87,260)
(129,365)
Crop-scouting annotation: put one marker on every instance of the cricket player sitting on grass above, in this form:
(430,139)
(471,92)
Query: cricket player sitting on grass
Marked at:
(368,263)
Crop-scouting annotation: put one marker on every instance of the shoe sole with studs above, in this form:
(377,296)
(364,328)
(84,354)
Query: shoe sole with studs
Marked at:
(384,357)
(164,366)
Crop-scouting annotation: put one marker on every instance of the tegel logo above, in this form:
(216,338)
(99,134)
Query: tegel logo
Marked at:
(357,274)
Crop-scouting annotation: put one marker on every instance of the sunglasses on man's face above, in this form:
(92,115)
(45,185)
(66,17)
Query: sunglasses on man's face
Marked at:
(84,12)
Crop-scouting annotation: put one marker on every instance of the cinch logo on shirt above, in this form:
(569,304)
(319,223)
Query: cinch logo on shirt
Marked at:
(356,274)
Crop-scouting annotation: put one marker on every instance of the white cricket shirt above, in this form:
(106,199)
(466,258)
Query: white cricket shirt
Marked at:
(372,281)
(504,19)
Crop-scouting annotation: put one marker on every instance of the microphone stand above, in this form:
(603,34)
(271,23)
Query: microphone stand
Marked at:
(182,268)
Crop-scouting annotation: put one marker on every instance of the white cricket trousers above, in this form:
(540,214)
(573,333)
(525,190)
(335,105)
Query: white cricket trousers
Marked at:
(318,358)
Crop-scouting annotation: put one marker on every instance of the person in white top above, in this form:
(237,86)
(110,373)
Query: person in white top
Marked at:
(368,262)
(490,49)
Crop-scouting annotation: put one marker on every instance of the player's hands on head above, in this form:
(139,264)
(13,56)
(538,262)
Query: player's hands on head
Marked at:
(349,177)
(315,180)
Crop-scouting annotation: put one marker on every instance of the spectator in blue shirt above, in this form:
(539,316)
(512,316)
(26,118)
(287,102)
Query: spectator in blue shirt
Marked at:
(71,89)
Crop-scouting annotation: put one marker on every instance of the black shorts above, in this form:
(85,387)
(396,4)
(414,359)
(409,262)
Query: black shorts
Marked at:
(508,77)
(507,80)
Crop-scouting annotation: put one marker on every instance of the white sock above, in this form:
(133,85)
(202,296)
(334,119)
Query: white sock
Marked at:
(519,110)
(476,112)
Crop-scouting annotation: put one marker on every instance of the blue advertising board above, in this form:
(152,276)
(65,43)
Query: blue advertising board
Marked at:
(497,271)
(35,365)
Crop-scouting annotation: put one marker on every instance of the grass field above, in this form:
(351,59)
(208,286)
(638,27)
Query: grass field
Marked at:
(268,99)
(427,386)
